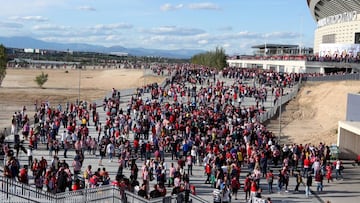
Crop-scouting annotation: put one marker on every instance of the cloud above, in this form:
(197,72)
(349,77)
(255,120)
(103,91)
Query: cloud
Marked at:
(50,27)
(113,38)
(289,35)
(226,45)
(203,41)
(169,7)
(114,26)
(173,30)
(26,7)
(11,25)
(87,8)
(29,18)
(204,6)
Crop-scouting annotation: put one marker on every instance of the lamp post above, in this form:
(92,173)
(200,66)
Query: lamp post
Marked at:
(79,84)
(280,112)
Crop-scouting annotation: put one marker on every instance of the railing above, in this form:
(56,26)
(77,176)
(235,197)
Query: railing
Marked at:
(100,194)
(271,112)
(196,199)
(14,191)
(354,76)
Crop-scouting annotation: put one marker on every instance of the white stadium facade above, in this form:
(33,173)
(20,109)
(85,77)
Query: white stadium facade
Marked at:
(336,43)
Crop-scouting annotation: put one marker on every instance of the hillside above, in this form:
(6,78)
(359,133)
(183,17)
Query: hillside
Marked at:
(313,116)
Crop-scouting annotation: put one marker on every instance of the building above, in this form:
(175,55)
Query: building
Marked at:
(276,57)
(338,27)
(349,129)
(336,43)
(290,59)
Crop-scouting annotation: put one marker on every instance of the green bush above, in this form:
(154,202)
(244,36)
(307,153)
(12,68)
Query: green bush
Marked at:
(41,79)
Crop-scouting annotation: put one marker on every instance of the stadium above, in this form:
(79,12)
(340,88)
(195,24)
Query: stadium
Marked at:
(338,27)
(336,43)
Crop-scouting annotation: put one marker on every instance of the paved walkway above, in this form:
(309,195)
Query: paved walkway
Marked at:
(348,189)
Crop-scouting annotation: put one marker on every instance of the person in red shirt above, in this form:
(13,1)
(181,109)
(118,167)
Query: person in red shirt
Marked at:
(247,186)
(208,173)
(307,164)
(253,189)
(76,185)
(136,145)
(329,172)
(23,177)
(235,185)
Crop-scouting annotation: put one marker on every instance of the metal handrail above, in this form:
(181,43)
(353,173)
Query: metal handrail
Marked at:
(14,189)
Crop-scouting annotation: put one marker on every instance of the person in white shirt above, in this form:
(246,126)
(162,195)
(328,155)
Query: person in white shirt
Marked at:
(217,195)
(110,151)
(338,168)
(30,156)
(63,138)
(193,153)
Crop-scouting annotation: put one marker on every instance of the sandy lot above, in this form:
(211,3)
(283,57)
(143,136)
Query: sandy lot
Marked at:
(313,116)
(19,89)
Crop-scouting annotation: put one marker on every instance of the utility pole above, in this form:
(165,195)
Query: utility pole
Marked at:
(79,84)
(280,112)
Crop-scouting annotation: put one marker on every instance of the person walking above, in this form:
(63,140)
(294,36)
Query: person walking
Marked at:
(110,150)
(189,163)
(247,186)
(338,169)
(319,181)
(270,180)
(298,180)
(329,172)
(308,185)
(235,186)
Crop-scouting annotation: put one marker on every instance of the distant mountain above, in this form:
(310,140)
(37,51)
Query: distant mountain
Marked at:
(28,42)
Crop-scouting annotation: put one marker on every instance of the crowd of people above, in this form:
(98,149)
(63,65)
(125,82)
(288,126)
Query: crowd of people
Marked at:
(199,118)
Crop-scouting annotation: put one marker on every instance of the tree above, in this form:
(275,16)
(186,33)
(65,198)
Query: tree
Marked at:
(41,79)
(2,63)
(215,59)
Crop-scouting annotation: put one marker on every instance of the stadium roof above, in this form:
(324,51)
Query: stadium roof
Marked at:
(324,8)
(274,46)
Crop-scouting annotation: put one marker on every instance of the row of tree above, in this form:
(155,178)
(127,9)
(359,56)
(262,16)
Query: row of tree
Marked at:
(3,62)
(214,59)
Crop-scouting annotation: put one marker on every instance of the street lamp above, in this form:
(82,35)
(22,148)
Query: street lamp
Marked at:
(79,84)
(280,112)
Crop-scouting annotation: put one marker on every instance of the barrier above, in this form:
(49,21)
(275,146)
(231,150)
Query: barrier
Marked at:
(342,77)
(270,113)
(10,189)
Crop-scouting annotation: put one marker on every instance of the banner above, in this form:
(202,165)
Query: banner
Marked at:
(332,50)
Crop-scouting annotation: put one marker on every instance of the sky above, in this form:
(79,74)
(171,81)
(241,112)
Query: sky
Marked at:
(234,25)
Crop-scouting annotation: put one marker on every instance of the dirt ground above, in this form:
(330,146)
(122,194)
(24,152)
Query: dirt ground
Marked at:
(19,88)
(312,117)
